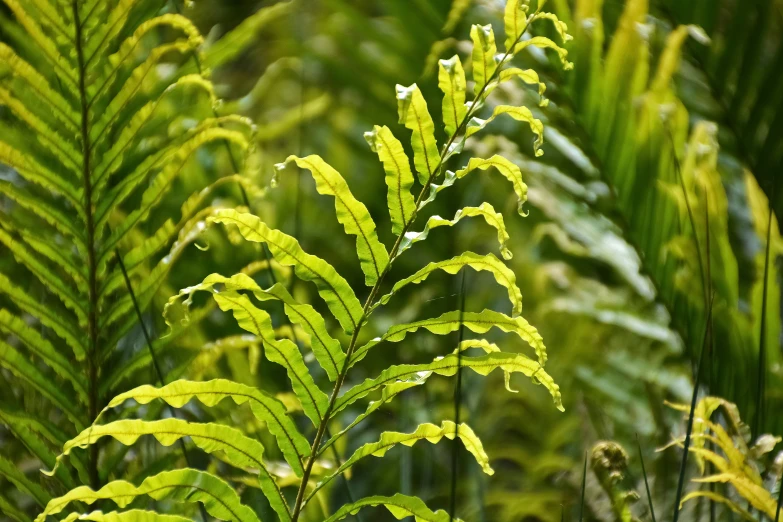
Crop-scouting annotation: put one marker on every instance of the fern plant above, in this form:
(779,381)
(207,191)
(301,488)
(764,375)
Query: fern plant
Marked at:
(240,294)
(102,112)
(749,469)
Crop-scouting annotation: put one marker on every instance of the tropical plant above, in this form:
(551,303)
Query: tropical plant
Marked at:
(308,459)
(749,469)
(104,107)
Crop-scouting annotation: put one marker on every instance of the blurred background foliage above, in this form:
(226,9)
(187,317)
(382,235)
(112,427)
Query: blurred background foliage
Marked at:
(662,153)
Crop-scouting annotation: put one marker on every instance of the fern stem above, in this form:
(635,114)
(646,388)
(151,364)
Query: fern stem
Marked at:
(92,323)
(300,495)
(457,406)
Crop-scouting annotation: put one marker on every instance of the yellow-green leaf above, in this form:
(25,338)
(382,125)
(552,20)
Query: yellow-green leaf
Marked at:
(479,322)
(451,80)
(413,113)
(351,213)
(484,51)
(515,21)
(503,275)
(188,485)
(237,449)
(401,506)
(485,210)
(399,178)
(332,287)
(519,114)
(265,407)
(506,168)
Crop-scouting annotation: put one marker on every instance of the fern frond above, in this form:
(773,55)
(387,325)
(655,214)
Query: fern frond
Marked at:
(133,515)
(429,432)
(327,350)
(401,506)
(219,499)
(478,322)
(399,178)
(351,213)
(484,51)
(332,287)
(265,407)
(413,113)
(485,210)
(502,274)
(451,80)
(238,450)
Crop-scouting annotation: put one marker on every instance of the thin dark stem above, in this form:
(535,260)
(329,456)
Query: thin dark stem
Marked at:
(762,374)
(584,484)
(457,404)
(696,379)
(646,484)
(155,364)
(92,319)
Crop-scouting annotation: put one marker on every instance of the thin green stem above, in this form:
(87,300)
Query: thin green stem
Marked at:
(92,319)
(366,309)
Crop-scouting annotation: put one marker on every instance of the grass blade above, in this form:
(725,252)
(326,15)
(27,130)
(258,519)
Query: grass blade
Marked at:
(646,484)
(584,482)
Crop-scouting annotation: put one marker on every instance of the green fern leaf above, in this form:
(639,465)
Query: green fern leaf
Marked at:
(484,51)
(506,168)
(399,178)
(451,80)
(401,506)
(503,275)
(447,366)
(485,210)
(518,113)
(428,432)
(36,343)
(515,22)
(326,349)
(479,322)
(219,499)
(14,475)
(413,113)
(133,515)
(339,296)
(266,408)
(351,213)
(283,352)
(240,38)
(239,450)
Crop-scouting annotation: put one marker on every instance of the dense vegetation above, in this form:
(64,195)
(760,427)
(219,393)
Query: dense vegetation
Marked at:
(206,313)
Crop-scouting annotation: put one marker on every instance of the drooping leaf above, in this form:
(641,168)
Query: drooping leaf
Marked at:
(503,275)
(280,351)
(401,506)
(351,213)
(237,449)
(519,114)
(485,210)
(339,296)
(429,432)
(399,178)
(327,350)
(265,407)
(219,499)
(479,322)
(506,168)
(447,366)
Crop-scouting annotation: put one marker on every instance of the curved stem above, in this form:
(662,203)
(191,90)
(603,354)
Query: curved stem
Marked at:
(368,305)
